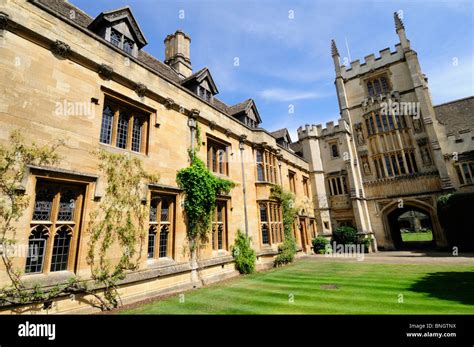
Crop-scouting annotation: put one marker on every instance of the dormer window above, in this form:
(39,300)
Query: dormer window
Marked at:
(120,28)
(204,93)
(250,122)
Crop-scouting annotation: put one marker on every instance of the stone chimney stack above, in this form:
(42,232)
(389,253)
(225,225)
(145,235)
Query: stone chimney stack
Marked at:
(177,53)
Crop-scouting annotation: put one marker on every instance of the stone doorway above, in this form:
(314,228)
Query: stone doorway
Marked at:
(411,227)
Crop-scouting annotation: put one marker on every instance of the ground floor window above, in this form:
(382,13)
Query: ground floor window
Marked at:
(219,226)
(54,227)
(271,224)
(161,225)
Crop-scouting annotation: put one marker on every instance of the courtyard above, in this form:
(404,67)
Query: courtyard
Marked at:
(383,283)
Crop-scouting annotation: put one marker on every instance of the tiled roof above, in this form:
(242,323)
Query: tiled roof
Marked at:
(278,134)
(82,19)
(456,115)
(240,107)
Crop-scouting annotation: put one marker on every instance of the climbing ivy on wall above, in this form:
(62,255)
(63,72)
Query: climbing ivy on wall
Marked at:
(287,249)
(118,224)
(200,188)
(14,161)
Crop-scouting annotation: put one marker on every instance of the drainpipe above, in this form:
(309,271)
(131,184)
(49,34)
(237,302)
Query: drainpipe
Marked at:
(279,170)
(241,147)
(194,263)
(192,126)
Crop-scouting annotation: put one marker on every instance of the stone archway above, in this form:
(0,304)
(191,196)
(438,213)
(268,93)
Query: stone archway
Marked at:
(392,224)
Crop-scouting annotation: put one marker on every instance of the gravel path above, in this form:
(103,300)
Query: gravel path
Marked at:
(405,257)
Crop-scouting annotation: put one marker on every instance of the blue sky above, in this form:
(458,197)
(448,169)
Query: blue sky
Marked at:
(283,47)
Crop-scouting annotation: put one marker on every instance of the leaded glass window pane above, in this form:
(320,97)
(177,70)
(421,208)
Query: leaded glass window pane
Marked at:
(165,210)
(335,151)
(377,87)
(122,131)
(220,232)
(164,241)
(465,169)
(115,38)
(127,45)
(67,206)
(36,250)
(260,172)
(265,234)
(153,210)
(62,241)
(384,83)
(43,204)
(379,124)
(137,134)
(107,122)
(390,122)
(263,213)
(370,88)
(151,241)
(394,164)
(389,167)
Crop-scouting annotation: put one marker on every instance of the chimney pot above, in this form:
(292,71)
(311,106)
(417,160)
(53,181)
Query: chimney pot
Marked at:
(177,53)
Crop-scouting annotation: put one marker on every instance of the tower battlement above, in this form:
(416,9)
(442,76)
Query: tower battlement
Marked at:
(314,130)
(371,62)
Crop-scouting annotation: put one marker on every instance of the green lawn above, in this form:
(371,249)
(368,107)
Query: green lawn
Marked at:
(320,286)
(419,236)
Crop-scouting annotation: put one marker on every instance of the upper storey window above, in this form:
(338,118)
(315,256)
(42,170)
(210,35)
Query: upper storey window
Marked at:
(204,93)
(124,126)
(266,166)
(121,41)
(377,86)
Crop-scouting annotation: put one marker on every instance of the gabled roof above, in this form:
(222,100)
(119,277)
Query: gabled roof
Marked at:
(124,13)
(198,77)
(82,19)
(245,107)
(281,134)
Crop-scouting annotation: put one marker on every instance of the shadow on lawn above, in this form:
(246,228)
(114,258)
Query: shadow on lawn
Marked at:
(454,286)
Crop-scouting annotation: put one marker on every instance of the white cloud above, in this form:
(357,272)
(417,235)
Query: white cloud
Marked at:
(449,82)
(278,94)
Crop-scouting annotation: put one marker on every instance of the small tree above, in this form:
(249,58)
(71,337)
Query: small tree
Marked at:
(287,249)
(245,257)
(119,220)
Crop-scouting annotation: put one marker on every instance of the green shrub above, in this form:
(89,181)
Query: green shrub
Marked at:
(243,254)
(454,212)
(287,251)
(319,244)
(345,235)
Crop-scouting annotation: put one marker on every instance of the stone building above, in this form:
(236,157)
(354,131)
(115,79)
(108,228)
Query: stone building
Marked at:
(391,151)
(89,81)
